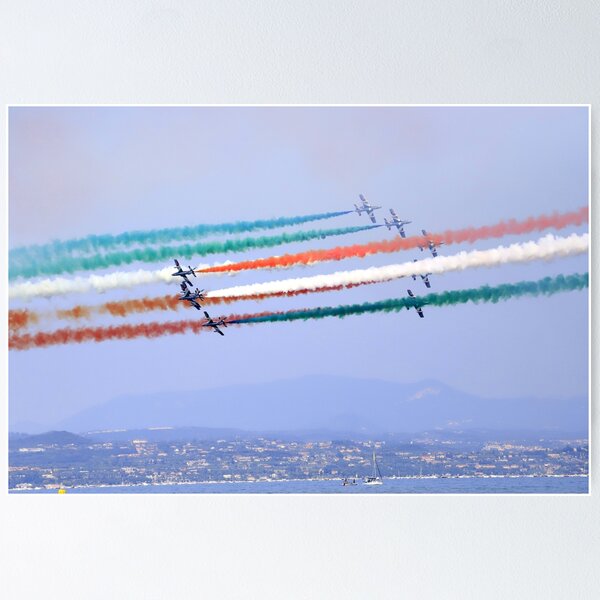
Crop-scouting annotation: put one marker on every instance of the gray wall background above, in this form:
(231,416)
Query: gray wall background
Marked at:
(290,52)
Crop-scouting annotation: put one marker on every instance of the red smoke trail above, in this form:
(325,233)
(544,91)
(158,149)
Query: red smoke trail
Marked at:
(469,234)
(19,319)
(101,334)
(292,293)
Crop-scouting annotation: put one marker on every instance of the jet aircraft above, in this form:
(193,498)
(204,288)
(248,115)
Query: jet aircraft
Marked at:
(429,243)
(214,324)
(425,277)
(183,274)
(191,297)
(395,221)
(366,207)
(417,307)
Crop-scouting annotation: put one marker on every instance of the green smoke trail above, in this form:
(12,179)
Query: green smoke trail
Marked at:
(71,264)
(546,287)
(101,243)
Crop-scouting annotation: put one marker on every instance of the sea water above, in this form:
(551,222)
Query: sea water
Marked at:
(425,485)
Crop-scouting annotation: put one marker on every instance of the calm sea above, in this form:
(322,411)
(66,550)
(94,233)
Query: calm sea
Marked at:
(475,485)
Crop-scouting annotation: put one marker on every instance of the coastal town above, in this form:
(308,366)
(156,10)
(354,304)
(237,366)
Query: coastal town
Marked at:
(61,459)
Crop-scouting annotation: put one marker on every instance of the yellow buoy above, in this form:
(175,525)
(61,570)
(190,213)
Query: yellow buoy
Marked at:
(62,491)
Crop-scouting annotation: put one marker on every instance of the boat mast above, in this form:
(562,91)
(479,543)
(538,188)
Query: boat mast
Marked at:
(376,471)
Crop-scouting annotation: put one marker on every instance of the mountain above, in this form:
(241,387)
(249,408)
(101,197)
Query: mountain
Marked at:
(334,404)
(56,438)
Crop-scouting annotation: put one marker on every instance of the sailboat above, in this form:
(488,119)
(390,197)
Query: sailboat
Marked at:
(375,478)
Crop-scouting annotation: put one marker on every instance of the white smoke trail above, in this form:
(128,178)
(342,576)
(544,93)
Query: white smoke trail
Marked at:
(59,286)
(549,247)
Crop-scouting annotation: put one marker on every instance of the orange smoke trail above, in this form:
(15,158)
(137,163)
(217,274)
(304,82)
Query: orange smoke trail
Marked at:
(127,307)
(546,286)
(120,308)
(123,308)
(19,319)
(469,234)
(101,334)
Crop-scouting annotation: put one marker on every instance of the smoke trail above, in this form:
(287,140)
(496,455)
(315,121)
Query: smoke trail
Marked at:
(102,283)
(20,319)
(547,248)
(94,283)
(470,235)
(70,264)
(101,334)
(60,286)
(547,286)
(101,243)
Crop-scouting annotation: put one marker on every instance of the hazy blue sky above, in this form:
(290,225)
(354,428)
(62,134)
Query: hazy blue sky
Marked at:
(75,171)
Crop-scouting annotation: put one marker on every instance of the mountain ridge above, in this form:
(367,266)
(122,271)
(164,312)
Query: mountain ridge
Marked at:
(332,403)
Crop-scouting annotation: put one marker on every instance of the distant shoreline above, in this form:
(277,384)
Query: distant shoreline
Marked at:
(244,481)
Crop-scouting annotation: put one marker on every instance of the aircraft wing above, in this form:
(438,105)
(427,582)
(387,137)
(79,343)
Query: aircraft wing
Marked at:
(372,217)
(206,315)
(218,330)
(393,213)
(433,251)
(402,233)
(420,312)
(177,264)
(195,304)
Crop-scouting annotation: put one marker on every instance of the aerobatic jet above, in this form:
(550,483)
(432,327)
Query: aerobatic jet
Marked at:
(425,277)
(429,243)
(395,221)
(366,207)
(417,307)
(191,297)
(214,324)
(183,274)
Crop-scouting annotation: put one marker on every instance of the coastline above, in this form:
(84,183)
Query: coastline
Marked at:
(284,481)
